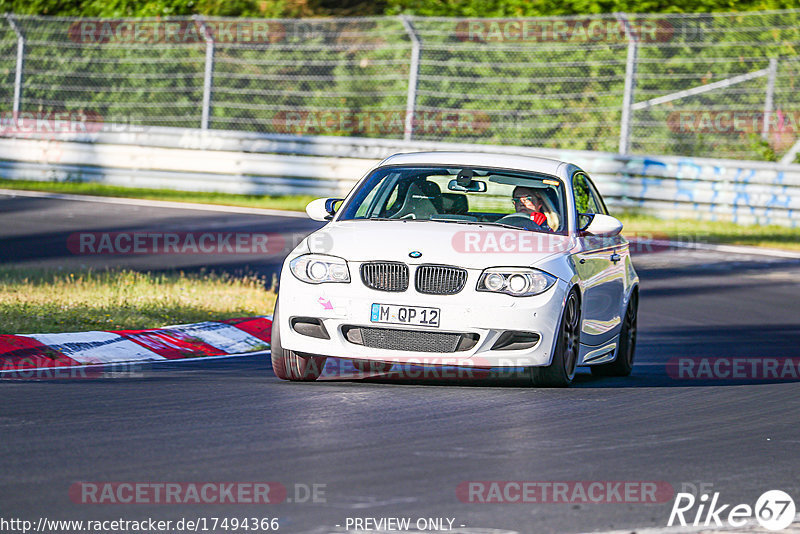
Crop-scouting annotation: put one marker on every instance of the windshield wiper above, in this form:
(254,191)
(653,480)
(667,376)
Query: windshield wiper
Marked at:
(371,219)
(391,219)
(502,225)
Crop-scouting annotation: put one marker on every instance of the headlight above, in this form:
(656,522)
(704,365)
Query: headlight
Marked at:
(516,281)
(318,268)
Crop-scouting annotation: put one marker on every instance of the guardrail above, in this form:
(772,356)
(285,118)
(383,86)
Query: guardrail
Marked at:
(242,162)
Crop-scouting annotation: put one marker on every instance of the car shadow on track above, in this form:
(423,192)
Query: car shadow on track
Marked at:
(640,378)
(685,357)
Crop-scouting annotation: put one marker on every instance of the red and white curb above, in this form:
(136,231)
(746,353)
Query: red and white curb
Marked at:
(209,339)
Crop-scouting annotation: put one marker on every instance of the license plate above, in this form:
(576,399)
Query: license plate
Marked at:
(410,315)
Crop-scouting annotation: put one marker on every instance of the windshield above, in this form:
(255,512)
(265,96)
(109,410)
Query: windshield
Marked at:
(471,195)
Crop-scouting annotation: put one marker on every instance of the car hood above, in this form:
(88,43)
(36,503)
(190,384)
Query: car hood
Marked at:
(466,245)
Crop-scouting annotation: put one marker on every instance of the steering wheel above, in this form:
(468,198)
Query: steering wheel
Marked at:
(521,220)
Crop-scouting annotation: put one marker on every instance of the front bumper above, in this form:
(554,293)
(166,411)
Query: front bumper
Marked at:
(488,315)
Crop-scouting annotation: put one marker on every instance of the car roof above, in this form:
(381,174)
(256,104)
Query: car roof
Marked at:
(473,159)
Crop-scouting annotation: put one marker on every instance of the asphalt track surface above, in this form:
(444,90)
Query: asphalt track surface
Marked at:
(398,447)
(37,232)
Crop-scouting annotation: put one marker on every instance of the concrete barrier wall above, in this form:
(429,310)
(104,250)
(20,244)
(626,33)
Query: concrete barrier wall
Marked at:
(237,162)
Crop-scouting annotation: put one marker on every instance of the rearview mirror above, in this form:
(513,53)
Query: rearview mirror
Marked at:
(603,225)
(474,186)
(322,209)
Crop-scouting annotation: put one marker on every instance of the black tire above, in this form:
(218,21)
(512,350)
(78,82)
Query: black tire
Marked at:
(561,370)
(623,363)
(291,365)
(369,366)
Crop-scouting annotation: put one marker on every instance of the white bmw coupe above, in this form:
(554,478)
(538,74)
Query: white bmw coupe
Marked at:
(461,259)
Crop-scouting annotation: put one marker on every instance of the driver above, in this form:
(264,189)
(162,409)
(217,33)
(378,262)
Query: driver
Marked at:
(529,201)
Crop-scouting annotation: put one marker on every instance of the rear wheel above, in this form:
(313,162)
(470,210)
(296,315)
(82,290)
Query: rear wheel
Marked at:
(623,364)
(561,370)
(291,365)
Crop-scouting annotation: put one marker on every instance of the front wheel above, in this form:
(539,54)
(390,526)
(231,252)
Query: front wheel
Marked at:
(291,365)
(623,363)
(561,370)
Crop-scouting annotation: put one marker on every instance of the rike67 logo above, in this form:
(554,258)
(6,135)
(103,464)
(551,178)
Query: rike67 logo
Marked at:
(774,510)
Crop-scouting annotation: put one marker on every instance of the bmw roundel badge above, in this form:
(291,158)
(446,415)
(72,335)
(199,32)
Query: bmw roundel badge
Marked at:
(415,254)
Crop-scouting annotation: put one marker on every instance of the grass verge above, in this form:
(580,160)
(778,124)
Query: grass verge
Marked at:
(45,301)
(291,203)
(635,223)
(719,232)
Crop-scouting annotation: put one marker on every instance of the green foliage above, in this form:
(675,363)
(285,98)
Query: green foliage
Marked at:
(44,301)
(151,8)
(526,8)
(331,73)
(645,226)
(762,147)
(216,8)
(441,8)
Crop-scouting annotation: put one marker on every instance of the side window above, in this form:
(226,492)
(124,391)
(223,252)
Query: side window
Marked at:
(598,200)
(375,199)
(585,199)
(366,205)
(392,200)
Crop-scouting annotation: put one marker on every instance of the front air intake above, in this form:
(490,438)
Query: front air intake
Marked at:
(409,340)
(440,279)
(385,275)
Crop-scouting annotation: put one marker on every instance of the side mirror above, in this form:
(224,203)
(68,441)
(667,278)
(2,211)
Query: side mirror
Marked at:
(603,225)
(322,209)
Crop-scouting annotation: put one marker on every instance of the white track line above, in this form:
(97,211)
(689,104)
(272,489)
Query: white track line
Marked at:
(154,203)
(732,249)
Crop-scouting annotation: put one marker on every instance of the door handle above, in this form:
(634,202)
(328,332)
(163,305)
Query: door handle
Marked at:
(615,258)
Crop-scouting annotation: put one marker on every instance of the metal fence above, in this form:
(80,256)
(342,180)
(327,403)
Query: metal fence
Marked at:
(706,85)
